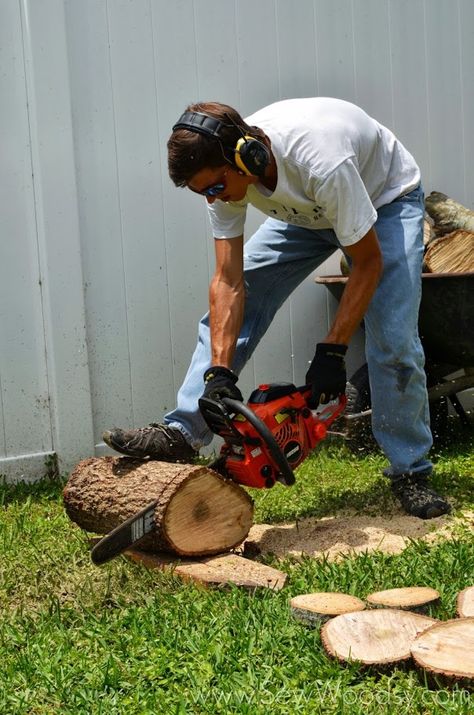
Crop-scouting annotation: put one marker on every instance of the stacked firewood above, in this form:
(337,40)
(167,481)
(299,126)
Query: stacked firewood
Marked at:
(448,235)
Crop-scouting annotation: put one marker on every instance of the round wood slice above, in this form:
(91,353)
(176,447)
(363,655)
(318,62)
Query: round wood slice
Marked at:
(316,608)
(465,602)
(198,513)
(447,649)
(378,637)
(410,598)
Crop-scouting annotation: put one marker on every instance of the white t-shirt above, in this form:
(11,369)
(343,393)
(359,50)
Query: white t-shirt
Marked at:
(336,166)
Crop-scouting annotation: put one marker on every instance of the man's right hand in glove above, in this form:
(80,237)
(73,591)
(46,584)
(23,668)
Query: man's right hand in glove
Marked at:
(221,382)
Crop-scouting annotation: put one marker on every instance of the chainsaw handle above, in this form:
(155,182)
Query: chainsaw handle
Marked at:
(286,471)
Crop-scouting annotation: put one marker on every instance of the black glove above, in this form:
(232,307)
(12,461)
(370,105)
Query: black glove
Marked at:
(327,373)
(221,382)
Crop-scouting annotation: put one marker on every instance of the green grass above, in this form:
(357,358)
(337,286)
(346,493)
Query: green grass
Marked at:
(77,639)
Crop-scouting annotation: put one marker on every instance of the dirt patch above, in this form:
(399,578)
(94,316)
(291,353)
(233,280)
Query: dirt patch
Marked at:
(348,534)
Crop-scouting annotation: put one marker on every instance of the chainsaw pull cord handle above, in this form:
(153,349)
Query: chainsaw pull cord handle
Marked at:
(266,435)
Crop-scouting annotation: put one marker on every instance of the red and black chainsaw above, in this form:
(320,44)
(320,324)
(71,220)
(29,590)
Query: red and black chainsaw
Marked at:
(264,441)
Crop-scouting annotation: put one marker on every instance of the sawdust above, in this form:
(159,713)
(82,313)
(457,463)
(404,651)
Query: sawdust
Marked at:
(350,534)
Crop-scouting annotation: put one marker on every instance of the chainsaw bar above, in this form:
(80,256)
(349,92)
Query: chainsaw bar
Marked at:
(125,535)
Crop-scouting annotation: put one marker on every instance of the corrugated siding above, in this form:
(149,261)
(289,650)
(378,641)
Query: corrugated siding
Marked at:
(105,265)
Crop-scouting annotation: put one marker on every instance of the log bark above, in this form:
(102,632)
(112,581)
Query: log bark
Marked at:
(409,598)
(452,253)
(378,637)
(313,609)
(446,651)
(447,214)
(198,512)
(465,602)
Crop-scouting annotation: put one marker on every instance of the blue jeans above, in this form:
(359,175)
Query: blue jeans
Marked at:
(277,258)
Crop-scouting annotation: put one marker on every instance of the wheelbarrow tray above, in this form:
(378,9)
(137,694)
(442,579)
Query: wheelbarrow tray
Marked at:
(446,315)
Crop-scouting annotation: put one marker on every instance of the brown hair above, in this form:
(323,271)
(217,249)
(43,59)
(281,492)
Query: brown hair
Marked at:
(190,152)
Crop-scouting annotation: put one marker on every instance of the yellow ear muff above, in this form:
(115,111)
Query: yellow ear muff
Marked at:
(242,144)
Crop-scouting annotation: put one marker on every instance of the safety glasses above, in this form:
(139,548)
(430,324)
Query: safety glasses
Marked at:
(213,189)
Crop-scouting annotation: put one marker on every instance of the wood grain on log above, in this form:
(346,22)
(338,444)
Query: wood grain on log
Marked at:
(452,253)
(448,215)
(378,637)
(411,598)
(316,608)
(465,602)
(447,649)
(198,511)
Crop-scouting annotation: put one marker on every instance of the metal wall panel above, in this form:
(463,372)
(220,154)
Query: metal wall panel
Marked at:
(124,258)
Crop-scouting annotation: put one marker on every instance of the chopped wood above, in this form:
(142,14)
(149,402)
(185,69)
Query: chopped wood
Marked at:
(314,609)
(465,602)
(198,511)
(428,230)
(452,253)
(410,598)
(448,215)
(447,650)
(373,637)
(215,570)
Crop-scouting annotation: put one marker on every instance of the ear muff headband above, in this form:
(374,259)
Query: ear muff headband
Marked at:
(250,155)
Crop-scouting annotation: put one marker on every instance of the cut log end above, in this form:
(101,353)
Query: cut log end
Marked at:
(373,638)
(313,609)
(446,651)
(465,602)
(411,598)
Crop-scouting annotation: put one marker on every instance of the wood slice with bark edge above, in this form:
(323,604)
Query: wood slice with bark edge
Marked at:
(445,651)
(314,609)
(373,638)
(452,253)
(448,215)
(198,511)
(214,570)
(465,602)
(408,598)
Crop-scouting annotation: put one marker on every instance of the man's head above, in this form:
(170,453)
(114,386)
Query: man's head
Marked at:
(214,152)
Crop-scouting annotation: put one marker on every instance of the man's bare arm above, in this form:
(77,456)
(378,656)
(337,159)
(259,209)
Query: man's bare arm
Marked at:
(226,300)
(367,266)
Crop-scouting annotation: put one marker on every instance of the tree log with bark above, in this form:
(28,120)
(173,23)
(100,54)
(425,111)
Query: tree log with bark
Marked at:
(198,513)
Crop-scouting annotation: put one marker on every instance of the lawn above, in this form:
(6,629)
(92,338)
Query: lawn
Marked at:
(121,639)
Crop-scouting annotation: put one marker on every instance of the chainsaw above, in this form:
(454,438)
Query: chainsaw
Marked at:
(264,441)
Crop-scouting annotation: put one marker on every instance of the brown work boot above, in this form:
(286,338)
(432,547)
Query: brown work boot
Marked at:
(417,498)
(158,441)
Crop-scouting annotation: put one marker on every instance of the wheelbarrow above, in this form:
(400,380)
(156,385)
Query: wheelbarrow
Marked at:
(445,325)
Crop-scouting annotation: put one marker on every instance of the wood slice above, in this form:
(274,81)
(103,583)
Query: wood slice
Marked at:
(453,253)
(216,570)
(448,215)
(465,602)
(447,650)
(198,511)
(410,598)
(378,637)
(313,609)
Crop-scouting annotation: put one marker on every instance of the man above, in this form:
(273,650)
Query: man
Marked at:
(327,176)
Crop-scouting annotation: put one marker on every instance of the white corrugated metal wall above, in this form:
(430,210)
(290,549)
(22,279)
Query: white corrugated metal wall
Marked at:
(105,265)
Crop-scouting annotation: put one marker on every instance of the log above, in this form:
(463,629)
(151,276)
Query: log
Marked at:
(313,609)
(409,598)
(219,570)
(378,637)
(446,651)
(199,512)
(465,602)
(447,214)
(452,253)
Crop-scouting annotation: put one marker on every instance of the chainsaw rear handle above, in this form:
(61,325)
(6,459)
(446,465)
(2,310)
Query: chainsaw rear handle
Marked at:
(286,475)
